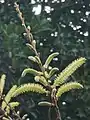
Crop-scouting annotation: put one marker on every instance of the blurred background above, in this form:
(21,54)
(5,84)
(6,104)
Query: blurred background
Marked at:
(57,25)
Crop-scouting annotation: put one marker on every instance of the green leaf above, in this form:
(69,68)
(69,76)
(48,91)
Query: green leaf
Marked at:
(32,58)
(38,60)
(35,59)
(67,87)
(14,104)
(46,74)
(2,82)
(41,79)
(8,96)
(45,103)
(68,71)
(11,106)
(31,71)
(50,58)
(29,46)
(53,71)
(30,87)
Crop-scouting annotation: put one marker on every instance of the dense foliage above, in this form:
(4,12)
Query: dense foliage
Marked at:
(61,26)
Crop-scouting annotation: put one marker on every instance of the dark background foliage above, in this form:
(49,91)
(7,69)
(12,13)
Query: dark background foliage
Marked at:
(62,26)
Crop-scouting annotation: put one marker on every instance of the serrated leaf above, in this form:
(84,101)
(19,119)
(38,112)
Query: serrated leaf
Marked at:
(30,87)
(50,58)
(8,96)
(11,106)
(68,71)
(67,87)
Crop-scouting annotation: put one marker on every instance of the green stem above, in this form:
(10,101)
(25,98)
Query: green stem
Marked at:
(49,113)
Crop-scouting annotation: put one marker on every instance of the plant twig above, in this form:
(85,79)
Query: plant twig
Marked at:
(13,111)
(54,101)
(33,46)
(57,113)
(29,36)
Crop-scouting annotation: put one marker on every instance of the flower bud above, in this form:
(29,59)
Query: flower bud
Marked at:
(28,27)
(34,43)
(24,34)
(37,78)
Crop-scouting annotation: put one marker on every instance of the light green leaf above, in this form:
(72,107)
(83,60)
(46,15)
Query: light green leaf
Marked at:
(30,87)
(29,46)
(67,87)
(32,58)
(50,58)
(45,103)
(68,71)
(11,106)
(8,96)
(31,71)
(2,82)
(41,80)
(53,71)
